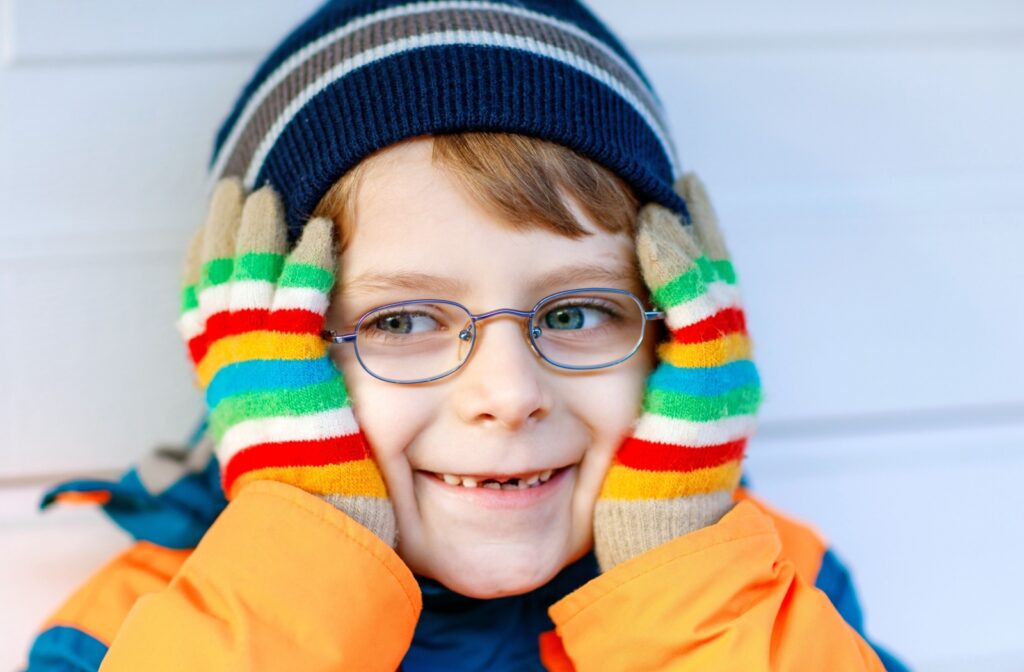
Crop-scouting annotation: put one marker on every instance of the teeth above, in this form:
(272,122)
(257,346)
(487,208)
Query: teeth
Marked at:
(510,484)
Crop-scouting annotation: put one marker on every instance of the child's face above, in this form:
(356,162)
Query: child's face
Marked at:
(506,411)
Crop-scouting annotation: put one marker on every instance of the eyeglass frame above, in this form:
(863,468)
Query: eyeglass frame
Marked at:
(532,331)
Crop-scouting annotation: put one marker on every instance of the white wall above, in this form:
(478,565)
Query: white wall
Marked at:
(867,161)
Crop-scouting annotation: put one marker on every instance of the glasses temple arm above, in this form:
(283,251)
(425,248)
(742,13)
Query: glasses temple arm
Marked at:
(335,337)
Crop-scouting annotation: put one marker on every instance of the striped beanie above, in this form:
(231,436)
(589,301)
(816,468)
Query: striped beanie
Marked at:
(360,75)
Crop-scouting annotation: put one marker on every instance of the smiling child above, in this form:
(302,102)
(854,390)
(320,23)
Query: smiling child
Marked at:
(478,379)
(506,416)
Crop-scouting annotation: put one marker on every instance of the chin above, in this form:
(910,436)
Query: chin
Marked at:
(491,570)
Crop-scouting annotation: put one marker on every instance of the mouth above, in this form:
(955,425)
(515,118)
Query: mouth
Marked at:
(500,492)
(519,481)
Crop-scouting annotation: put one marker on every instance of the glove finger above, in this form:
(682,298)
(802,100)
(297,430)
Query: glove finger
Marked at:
(218,246)
(671,261)
(701,307)
(190,321)
(193,263)
(705,221)
(699,293)
(308,274)
(259,253)
(665,248)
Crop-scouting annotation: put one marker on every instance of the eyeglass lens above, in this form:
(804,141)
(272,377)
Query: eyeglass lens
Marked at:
(421,340)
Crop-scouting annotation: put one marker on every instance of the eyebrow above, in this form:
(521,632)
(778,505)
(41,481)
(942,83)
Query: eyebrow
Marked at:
(586,273)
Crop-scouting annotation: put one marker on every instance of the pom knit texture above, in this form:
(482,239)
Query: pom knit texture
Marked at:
(678,469)
(252,317)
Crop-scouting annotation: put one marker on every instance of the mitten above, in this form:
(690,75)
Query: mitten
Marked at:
(678,468)
(252,318)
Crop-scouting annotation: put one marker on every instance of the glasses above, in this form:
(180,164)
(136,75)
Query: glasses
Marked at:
(423,340)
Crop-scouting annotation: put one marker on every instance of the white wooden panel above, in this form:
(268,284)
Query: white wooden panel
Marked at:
(783,126)
(929,522)
(63,30)
(807,23)
(119,150)
(49,30)
(842,331)
(45,557)
(6,32)
(94,372)
(102,181)
(872,203)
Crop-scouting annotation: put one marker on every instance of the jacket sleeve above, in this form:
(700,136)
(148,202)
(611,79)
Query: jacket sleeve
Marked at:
(818,564)
(723,597)
(282,580)
(76,637)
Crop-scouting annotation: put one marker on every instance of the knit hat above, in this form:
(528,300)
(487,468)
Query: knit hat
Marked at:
(360,75)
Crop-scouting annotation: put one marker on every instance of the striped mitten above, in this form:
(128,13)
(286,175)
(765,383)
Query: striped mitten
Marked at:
(252,317)
(678,469)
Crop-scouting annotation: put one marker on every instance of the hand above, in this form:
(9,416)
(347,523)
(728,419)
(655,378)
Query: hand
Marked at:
(678,469)
(278,407)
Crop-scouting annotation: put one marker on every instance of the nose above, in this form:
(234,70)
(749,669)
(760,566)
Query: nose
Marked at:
(502,384)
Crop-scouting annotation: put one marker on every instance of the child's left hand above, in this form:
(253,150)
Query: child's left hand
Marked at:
(678,469)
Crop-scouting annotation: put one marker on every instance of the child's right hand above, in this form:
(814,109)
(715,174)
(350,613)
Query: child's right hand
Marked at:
(252,318)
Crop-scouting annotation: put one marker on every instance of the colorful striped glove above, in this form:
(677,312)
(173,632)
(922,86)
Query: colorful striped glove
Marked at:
(678,469)
(278,408)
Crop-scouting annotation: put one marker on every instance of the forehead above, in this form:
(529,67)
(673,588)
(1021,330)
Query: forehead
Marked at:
(411,219)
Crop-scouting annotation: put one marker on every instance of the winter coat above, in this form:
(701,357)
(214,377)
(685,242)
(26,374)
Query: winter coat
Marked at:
(279,579)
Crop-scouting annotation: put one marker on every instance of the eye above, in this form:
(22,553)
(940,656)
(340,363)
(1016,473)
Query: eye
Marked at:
(575,316)
(405,322)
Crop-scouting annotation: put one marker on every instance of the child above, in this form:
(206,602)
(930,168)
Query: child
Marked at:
(469,323)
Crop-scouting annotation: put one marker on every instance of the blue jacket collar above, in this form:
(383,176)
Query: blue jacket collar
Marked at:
(457,633)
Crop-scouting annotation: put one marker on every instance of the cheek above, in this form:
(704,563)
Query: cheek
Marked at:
(609,408)
(609,405)
(388,415)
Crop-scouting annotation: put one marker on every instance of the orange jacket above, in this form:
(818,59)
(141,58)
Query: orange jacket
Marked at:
(283,580)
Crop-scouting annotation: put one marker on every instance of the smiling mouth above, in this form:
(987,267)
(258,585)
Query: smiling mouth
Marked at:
(524,481)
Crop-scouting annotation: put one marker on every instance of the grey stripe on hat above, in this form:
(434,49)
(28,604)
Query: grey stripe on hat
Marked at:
(365,37)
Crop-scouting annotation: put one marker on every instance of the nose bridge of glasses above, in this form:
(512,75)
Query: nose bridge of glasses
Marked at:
(527,314)
(502,311)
